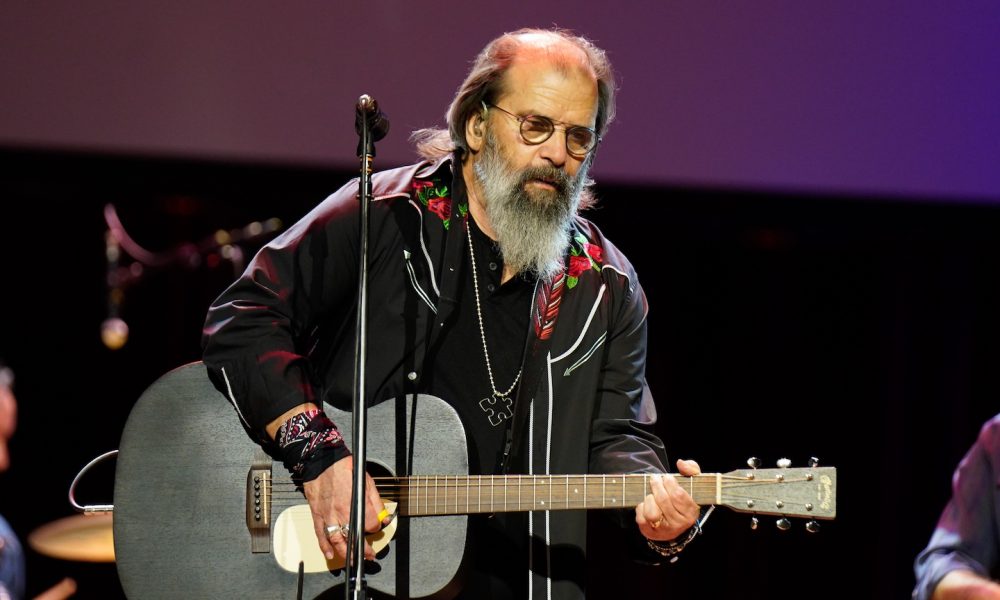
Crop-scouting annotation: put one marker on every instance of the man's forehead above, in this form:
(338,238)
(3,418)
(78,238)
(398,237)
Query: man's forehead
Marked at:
(537,76)
(547,49)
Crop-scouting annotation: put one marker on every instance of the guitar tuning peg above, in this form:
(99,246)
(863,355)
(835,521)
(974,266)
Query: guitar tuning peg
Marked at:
(812,526)
(753,462)
(813,462)
(784,524)
(784,463)
(754,522)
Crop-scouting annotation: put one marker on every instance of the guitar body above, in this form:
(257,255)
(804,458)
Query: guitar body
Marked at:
(181,497)
(202,512)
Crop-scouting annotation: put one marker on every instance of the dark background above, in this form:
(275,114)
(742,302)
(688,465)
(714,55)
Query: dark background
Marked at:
(858,329)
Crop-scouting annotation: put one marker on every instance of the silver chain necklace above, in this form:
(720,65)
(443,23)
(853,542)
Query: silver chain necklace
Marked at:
(482,331)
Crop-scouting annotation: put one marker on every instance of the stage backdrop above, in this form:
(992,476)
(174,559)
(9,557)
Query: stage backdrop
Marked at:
(886,97)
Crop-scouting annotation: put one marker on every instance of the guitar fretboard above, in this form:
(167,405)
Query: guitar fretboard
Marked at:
(451,495)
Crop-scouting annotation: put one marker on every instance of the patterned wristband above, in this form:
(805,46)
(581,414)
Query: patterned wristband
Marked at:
(674,547)
(309,442)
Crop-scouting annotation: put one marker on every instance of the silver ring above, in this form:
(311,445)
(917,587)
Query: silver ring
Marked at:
(335,529)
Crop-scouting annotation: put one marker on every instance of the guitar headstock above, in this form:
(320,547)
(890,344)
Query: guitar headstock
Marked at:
(809,492)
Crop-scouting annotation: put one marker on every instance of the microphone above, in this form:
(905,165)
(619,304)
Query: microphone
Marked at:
(367,110)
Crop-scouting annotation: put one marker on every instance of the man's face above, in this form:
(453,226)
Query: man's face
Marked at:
(531,193)
(565,95)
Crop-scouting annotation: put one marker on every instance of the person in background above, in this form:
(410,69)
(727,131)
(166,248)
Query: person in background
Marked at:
(12,577)
(962,559)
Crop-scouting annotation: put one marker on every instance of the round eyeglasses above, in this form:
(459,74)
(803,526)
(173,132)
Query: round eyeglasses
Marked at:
(536,129)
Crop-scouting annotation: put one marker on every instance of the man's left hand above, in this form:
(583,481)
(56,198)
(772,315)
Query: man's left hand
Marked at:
(668,511)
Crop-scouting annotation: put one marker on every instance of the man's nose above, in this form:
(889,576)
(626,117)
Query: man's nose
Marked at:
(553,149)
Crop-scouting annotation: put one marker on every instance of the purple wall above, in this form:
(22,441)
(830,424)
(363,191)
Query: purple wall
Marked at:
(892,98)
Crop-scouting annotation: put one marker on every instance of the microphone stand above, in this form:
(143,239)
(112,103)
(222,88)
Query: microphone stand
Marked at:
(371,126)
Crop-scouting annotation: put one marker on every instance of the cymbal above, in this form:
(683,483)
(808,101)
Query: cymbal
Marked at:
(80,537)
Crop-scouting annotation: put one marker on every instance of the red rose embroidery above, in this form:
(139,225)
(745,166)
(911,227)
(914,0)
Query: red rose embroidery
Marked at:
(595,252)
(578,264)
(440,206)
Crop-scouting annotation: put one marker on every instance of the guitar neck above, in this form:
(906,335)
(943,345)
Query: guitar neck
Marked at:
(467,494)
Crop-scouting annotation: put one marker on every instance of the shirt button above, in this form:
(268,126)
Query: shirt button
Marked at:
(493,266)
(412,375)
(491,287)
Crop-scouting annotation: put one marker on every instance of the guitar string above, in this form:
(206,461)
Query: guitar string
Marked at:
(438,481)
(453,487)
(534,481)
(401,487)
(451,501)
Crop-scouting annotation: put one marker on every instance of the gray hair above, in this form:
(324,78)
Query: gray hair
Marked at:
(484,83)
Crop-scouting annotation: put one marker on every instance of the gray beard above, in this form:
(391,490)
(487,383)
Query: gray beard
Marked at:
(532,227)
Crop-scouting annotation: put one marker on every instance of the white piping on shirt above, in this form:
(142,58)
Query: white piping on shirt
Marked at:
(548,471)
(587,355)
(583,330)
(232,400)
(413,280)
(531,515)
(423,247)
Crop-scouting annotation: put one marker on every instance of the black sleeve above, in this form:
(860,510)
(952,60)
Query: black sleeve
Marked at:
(258,332)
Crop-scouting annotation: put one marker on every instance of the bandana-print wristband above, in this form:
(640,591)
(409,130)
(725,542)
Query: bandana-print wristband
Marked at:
(308,443)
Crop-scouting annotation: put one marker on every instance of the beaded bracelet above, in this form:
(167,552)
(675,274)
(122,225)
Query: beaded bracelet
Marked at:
(674,547)
(309,442)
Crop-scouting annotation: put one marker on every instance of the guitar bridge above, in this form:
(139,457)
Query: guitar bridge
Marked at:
(258,501)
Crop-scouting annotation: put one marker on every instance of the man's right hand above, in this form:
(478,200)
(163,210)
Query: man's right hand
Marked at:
(329,497)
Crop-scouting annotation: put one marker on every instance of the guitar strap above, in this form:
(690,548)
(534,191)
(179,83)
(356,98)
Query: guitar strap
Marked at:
(544,310)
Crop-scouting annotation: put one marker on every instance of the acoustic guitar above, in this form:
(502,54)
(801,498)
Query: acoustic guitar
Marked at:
(201,512)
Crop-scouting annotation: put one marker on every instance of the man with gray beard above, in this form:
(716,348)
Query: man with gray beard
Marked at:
(490,292)
(532,226)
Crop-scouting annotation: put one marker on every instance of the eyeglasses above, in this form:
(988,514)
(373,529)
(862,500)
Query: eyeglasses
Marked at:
(536,130)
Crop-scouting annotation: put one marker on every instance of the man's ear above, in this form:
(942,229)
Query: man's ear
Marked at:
(475,130)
